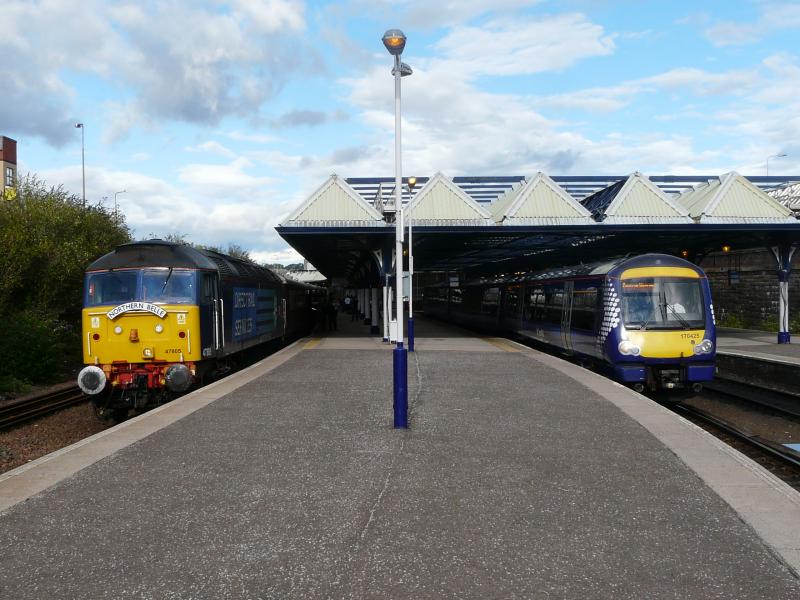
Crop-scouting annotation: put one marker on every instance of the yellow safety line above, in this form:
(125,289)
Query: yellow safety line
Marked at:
(502,344)
(312,343)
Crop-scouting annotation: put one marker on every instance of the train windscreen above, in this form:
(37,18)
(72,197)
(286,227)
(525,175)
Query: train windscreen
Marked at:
(662,303)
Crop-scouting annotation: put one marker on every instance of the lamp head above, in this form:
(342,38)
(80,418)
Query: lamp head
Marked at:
(412,181)
(78,125)
(395,41)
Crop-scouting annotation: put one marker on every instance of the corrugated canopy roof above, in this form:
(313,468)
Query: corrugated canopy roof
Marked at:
(733,199)
(441,202)
(335,203)
(541,201)
(635,200)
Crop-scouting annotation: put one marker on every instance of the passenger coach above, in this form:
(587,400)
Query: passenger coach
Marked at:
(649,320)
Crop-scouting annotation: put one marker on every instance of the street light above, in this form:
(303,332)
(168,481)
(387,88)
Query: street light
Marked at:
(411,182)
(116,210)
(395,42)
(83,162)
(781,155)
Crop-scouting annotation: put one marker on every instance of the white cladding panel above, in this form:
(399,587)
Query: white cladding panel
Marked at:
(336,204)
(697,199)
(642,201)
(543,201)
(745,201)
(441,203)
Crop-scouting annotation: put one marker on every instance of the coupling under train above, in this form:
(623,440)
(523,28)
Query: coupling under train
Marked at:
(159,317)
(646,320)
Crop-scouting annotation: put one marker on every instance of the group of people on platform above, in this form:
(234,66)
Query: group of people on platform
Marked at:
(328,312)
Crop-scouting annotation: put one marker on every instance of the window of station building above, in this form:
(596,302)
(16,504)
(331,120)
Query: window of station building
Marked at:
(9,177)
(490,301)
(584,308)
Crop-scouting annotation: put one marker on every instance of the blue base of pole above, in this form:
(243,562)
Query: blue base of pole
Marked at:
(400,387)
(410,334)
(385,340)
(784,337)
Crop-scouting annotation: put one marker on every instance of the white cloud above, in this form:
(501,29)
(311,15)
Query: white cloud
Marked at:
(773,16)
(523,45)
(212,147)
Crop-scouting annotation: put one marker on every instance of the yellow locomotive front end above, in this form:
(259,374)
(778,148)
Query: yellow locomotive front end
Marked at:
(141,336)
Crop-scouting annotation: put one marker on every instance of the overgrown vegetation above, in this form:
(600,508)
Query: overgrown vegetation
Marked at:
(47,237)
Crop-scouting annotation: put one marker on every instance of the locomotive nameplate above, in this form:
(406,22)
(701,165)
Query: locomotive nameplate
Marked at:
(137,307)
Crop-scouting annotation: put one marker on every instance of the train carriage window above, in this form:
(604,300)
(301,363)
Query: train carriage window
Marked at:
(534,302)
(490,301)
(455,295)
(554,305)
(584,308)
(511,301)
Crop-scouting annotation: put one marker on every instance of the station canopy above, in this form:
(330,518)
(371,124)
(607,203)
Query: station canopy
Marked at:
(494,225)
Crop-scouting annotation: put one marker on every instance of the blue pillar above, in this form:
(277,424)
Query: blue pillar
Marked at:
(400,387)
(783,258)
(411,334)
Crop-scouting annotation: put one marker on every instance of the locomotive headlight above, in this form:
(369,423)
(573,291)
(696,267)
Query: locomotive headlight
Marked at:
(159,328)
(704,347)
(628,347)
(118,329)
(147,352)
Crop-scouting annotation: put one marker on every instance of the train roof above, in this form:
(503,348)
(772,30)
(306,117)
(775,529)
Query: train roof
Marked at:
(607,267)
(160,253)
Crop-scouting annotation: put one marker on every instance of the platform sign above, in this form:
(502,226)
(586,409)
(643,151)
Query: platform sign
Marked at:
(253,312)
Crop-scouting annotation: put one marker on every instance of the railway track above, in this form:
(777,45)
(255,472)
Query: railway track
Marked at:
(783,454)
(33,407)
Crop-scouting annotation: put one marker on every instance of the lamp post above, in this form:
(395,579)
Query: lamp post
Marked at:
(395,42)
(116,211)
(83,162)
(412,181)
(781,155)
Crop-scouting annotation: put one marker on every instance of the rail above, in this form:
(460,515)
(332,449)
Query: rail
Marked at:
(32,407)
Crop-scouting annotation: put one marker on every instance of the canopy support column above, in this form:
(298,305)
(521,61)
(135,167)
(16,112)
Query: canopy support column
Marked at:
(783,258)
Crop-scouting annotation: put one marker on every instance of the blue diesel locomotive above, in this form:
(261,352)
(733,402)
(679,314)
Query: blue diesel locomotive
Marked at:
(647,320)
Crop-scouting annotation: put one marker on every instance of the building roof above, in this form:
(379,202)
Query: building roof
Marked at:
(788,195)
(540,201)
(731,198)
(635,200)
(441,202)
(335,204)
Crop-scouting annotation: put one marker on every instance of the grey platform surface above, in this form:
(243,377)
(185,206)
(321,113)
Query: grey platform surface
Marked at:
(514,481)
(758,344)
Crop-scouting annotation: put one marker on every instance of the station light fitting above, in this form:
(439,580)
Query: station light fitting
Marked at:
(412,181)
(395,41)
(726,248)
(685,253)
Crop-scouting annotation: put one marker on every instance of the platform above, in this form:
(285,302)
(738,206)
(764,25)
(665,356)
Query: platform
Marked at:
(521,476)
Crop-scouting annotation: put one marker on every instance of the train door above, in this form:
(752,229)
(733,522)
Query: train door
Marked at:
(566,316)
(211,332)
(285,315)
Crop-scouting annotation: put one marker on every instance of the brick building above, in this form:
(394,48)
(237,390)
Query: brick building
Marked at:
(8,163)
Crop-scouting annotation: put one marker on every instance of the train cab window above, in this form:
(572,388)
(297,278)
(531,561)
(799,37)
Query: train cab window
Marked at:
(662,303)
(112,287)
(490,301)
(170,286)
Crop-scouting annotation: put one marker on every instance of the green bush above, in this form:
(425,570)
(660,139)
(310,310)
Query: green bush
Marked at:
(731,319)
(47,238)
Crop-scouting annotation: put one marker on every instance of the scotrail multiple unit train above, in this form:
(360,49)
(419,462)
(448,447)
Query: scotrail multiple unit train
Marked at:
(648,320)
(160,316)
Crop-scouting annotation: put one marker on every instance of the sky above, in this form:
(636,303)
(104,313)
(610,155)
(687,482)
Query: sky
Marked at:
(218,118)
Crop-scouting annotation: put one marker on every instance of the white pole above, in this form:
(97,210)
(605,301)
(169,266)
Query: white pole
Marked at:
(385,312)
(398,205)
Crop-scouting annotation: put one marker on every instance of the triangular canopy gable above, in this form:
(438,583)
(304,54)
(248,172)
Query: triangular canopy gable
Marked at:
(640,201)
(499,206)
(543,202)
(335,203)
(442,202)
(735,199)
